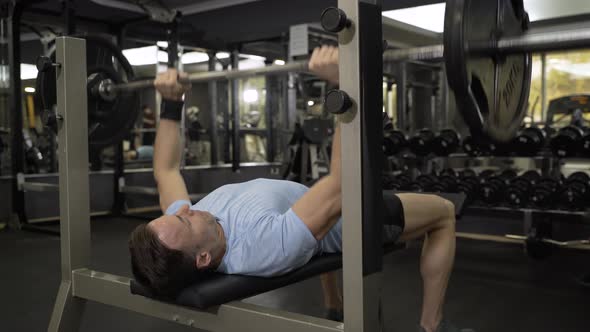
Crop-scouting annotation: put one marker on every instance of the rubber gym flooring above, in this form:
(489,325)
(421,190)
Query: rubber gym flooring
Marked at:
(494,287)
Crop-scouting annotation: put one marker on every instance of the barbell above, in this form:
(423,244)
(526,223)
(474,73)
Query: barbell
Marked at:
(486,49)
(295,66)
(113,103)
(487,53)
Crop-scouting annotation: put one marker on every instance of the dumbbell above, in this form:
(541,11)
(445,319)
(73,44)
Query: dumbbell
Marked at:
(520,189)
(468,183)
(449,179)
(472,147)
(529,141)
(398,182)
(493,188)
(483,175)
(448,183)
(481,146)
(394,141)
(495,148)
(448,171)
(421,143)
(424,182)
(566,142)
(545,193)
(575,193)
(446,142)
(467,173)
(432,183)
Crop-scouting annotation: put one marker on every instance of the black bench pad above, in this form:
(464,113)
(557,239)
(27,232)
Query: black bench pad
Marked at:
(223,288)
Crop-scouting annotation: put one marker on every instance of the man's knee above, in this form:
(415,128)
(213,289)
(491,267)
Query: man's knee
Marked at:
(451,211)
(447,214)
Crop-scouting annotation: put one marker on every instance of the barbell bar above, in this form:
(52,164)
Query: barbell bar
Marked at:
(526,43)
(295,66)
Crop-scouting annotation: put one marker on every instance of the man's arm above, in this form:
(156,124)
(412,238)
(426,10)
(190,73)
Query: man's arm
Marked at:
(321,207)
(167,154)
(167,147)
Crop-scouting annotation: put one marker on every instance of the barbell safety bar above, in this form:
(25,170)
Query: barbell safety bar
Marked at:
(526,43)
(294,66)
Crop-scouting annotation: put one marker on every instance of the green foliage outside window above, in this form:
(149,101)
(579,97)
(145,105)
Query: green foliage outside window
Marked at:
(567,73)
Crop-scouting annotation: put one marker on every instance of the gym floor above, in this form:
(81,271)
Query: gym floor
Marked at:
(494,287)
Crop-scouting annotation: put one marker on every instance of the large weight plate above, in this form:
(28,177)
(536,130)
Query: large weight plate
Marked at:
(108,121)
(491,90)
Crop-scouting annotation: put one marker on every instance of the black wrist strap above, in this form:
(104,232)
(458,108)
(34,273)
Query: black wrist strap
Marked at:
(171,109)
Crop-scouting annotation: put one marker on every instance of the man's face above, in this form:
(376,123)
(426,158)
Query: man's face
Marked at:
(186,230)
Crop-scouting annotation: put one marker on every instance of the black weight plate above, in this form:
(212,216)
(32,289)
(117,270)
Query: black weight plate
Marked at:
(491,91)
(108,122)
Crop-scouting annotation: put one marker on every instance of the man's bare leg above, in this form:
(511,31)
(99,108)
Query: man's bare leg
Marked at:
(331,289)
(434,218)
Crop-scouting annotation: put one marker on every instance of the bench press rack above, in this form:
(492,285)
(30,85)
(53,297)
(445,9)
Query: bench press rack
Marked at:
(361,77)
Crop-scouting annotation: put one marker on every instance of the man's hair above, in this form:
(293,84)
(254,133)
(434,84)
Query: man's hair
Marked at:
(163,270)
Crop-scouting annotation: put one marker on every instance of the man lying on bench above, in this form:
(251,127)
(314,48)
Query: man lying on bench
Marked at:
(270,227)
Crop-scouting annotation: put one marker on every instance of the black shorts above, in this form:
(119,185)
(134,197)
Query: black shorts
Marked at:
(393,222)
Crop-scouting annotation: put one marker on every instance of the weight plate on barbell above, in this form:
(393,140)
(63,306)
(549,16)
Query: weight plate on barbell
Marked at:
(491,90)
(111,119)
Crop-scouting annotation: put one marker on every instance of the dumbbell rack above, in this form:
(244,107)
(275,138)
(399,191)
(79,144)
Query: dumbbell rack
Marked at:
(537,223)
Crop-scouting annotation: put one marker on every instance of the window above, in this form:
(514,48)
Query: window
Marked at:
(566,74)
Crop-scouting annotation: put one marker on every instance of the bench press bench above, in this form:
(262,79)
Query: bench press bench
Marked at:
(222,288)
